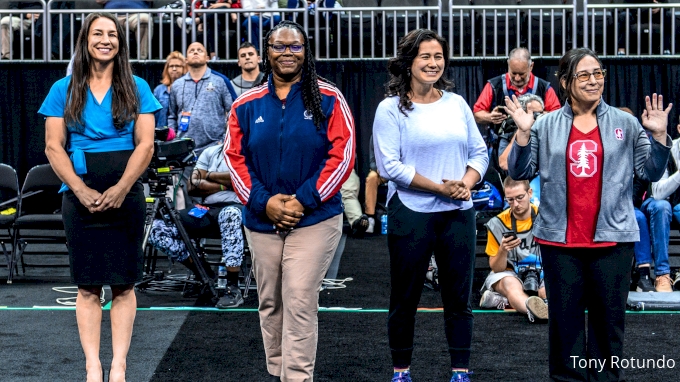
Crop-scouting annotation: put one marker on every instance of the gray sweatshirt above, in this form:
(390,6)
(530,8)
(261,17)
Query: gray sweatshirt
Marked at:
(627,150)
(208,101)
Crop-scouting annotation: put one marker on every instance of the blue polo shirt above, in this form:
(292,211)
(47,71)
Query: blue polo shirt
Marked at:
(98,134)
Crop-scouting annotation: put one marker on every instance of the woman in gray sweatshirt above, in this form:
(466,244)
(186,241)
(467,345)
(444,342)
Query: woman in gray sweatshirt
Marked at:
(587,153)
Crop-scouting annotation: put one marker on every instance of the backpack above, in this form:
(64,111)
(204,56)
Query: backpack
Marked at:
(486,197)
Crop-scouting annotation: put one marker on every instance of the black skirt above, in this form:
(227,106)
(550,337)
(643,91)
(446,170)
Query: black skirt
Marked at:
(105,248)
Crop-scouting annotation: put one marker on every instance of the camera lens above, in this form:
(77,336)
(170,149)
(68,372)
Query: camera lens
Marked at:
(530,282)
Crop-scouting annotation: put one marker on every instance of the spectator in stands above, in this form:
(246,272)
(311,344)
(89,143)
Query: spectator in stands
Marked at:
(288,168)
(61,38)
(514,256)
(26,21)
(175,67)
(139,23)
(489,108)
(586,227)
(373,181)
(199,101)
(211,27)
(660,208)
(249,62)
(659,15)
(352,208)
(99,133)
(253,20)
(428,146)
(211,180)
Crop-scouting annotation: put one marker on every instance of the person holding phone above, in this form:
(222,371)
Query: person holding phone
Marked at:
(489,109)
(514,256)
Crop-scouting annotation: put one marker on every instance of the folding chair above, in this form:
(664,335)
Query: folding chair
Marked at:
(38,218)
(9,198)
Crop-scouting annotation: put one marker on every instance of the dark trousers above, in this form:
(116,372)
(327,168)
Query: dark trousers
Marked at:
(596,279)
(412,237)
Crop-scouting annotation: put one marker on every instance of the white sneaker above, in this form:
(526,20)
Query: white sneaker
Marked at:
(536,308)
(492,300)
(371,225)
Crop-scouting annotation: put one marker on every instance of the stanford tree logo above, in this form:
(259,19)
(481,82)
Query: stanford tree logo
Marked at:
(583,161)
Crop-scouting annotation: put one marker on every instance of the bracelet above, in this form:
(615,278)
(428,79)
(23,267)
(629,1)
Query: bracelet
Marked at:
(207,175)
(222,187)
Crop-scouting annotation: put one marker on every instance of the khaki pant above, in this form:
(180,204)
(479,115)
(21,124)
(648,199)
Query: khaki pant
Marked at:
(289,269)
(145,24)
(4,31)
(350,197)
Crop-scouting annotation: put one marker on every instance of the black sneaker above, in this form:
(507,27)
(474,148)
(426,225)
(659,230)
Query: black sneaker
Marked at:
(232,298)
(360,226)
(645,284)
(676,281)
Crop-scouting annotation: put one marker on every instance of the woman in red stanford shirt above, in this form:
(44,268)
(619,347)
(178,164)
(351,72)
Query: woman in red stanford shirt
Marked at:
(586,227)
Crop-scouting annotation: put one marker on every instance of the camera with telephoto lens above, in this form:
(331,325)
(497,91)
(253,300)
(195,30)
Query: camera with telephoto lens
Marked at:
(508,126)
(530,276)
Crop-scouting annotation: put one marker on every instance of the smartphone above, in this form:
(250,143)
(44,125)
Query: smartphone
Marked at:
(501,109)
(510,234)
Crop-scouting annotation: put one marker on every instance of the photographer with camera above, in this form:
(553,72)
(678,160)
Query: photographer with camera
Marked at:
(489,109)
(514,256)
(219,214)
(531,103)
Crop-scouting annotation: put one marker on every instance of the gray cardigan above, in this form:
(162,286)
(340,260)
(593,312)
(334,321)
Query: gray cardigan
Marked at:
(623,155)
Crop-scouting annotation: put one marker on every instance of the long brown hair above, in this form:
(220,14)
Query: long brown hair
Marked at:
(125,100)
(166,80)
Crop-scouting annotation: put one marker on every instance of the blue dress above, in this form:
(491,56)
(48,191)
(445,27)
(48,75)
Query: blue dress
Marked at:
(105,248)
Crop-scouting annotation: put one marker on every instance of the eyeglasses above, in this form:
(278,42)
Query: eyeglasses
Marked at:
(280,48)
(585,76)
(516,198)
(175,67)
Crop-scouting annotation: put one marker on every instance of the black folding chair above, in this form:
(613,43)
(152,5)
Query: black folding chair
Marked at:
(9,198)
(38,218)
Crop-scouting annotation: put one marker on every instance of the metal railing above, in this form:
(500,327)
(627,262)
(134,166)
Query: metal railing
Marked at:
(614,17)
(473,31)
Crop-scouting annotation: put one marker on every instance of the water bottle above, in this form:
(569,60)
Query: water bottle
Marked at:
(222,277)
(383,224)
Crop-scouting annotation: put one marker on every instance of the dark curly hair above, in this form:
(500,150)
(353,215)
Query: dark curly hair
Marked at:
(400,66)
(311,95)
(567,69)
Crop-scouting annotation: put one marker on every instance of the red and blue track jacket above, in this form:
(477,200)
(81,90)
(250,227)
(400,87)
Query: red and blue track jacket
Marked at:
(274,147)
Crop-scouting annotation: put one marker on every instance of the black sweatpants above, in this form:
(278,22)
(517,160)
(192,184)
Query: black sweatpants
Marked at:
(596,279)
(411,238)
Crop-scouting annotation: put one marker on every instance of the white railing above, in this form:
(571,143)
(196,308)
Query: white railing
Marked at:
(473,31)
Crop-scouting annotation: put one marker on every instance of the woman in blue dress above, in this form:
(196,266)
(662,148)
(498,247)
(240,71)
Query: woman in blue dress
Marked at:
(99,140)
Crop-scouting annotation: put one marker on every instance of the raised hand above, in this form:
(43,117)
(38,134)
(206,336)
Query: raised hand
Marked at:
(522,119)
(655,117)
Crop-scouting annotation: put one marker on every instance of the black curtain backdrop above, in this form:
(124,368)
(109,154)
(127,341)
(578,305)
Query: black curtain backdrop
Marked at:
(24,87)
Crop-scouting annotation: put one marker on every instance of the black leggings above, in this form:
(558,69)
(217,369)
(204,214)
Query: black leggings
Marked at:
(596,279)
(412,237)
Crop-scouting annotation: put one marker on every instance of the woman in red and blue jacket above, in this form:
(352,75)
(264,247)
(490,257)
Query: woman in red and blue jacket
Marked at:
(290,147)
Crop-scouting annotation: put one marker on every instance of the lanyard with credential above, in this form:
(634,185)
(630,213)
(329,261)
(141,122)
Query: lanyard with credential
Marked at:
(186,115)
